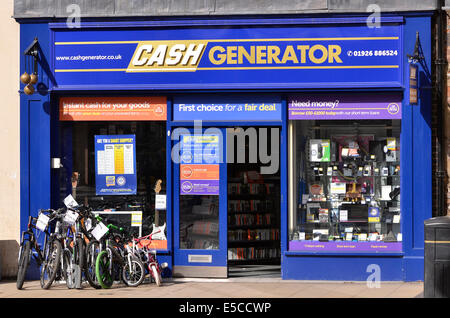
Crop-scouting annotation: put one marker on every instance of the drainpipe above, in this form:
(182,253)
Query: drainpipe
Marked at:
(441,85)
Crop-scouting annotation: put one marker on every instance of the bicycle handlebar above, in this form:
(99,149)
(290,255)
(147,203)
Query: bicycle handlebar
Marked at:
(115,227)
(53,213)
(145,237)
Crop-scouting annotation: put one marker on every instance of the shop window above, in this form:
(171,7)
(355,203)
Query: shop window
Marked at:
(199,222)
(346,184)
(79,156)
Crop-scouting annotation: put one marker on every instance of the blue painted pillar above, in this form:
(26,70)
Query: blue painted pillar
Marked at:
(35,123)
(416,151)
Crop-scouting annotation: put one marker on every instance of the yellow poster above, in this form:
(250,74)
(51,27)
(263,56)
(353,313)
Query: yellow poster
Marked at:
(118,159)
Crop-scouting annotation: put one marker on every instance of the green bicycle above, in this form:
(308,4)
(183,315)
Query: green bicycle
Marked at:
(116,260)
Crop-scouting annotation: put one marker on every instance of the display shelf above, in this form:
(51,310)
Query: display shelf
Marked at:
(365,174)
(356,176)
(253,211)
(264,261)
(253,253)
(253,241)
(252,226)
(351,161)
(249,197)
(345,222)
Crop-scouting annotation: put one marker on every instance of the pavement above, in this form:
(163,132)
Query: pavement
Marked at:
(221,288)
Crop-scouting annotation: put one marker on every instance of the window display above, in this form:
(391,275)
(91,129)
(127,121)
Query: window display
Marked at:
(347,183)
(117,168)
(253,217)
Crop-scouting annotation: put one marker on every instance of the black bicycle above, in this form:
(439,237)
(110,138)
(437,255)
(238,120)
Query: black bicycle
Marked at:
(85,253)
(71,238)
(28,242)
(117,259)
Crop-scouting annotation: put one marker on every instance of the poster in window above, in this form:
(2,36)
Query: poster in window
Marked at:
(199,168)
(115,165)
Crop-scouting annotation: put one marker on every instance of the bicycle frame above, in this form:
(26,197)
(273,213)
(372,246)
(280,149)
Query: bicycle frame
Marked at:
(150,255)
(33,248)
(39,255)
(61,234)
(112,247)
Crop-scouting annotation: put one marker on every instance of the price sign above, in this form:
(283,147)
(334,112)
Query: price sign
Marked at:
(136,219)
(160,202)
(99,231)
(70,217)
(88,224)
(70,202)
(42,222)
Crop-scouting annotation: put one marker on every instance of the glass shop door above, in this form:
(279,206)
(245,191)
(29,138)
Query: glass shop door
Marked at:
(200,202)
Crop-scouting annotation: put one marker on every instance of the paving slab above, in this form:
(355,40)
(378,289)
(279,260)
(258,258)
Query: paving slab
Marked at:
(222,288)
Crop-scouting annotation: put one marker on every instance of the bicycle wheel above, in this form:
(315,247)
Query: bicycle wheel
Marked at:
(79,252)
(133,274)
(52,261)
(78,260)
(24,260)
(102,269)
(69,269)
(92,251)
(156,275)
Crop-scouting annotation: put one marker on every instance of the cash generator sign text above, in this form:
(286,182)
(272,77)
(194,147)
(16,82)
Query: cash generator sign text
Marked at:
(229,54)
(153,56)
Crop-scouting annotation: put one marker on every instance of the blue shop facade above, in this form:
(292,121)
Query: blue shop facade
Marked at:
(297,142)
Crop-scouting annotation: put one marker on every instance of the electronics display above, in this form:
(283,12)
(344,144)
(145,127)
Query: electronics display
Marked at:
(374,214)
(319,150)
(376,148)
(391,150)
(352,176)
(356,212)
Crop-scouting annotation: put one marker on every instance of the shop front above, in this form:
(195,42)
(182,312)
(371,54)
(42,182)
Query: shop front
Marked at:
(242,141)
(226,183)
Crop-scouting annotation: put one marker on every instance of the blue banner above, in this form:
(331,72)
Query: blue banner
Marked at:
(115,165)
(207,58)
(227,108)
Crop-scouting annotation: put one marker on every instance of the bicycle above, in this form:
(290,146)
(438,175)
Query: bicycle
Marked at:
(148,257)
(87,224)
(73,247)
(83,255)
(133,272)
(56,255)
(28,242)
(62,242)
(94,230)
(115,258)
